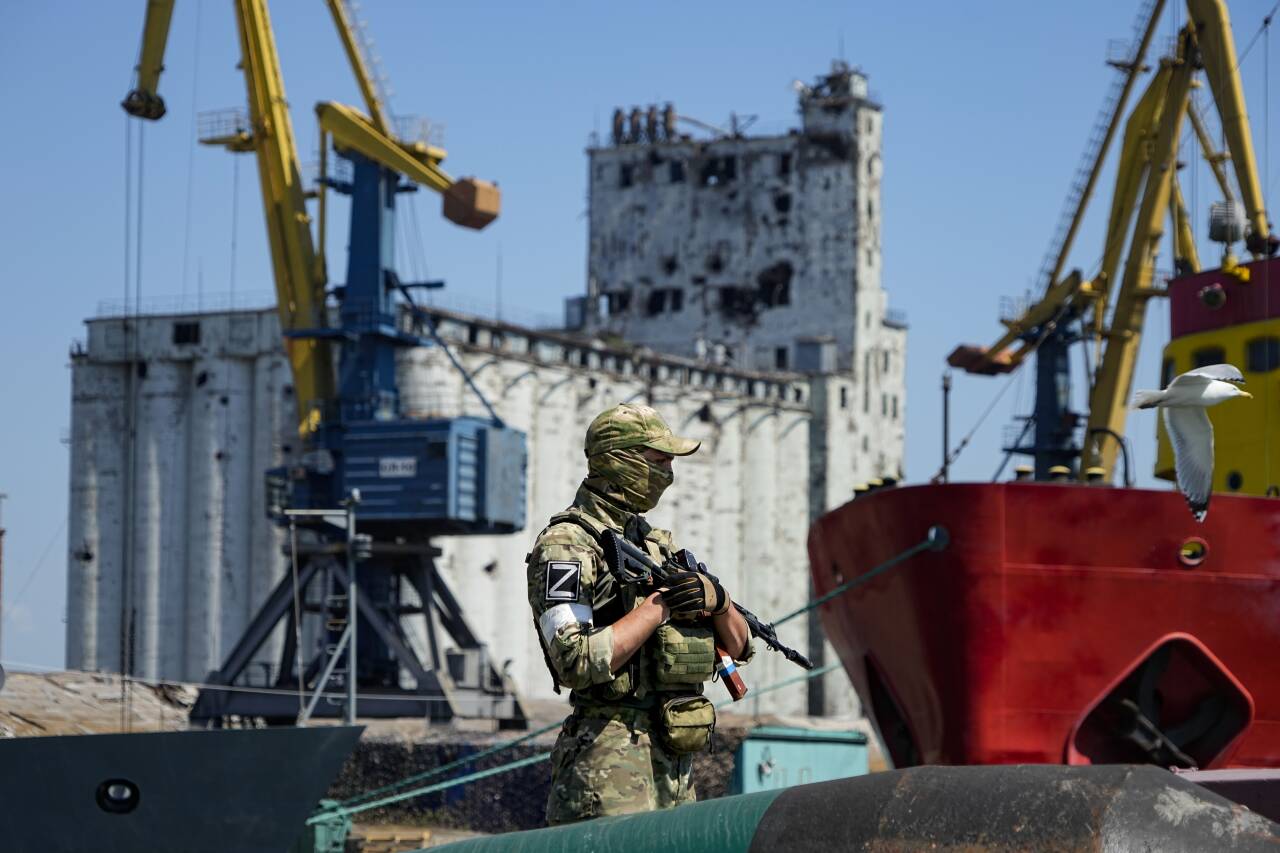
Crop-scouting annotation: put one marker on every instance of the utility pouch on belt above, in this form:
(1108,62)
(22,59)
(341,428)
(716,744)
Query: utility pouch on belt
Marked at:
(684,655)
(685,724)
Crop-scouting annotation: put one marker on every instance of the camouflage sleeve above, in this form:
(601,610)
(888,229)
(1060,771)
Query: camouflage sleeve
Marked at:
(562,576)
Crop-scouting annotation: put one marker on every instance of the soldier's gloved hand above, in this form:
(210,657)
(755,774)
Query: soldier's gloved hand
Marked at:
(691,595)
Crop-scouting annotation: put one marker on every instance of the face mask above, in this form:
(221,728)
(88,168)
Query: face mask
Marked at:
(631,479)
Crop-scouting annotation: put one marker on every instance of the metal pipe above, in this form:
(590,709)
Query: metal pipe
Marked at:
(946,425)
(991,809)
(353,615)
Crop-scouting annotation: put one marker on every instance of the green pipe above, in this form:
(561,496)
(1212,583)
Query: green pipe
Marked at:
(725,825)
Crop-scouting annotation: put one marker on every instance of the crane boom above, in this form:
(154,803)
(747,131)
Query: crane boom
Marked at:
(299,282)
(1222,68)
(368,89)
(1114,381)
(144,99)
(1131,69)
(298,266)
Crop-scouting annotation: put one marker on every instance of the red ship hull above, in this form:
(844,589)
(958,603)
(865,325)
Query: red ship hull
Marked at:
(1051,608)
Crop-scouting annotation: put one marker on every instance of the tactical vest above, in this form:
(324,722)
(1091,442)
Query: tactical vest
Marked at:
(677,657)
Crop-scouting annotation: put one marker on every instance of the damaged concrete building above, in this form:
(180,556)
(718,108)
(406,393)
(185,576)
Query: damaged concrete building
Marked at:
(757,251)
(761,252)
(734,283)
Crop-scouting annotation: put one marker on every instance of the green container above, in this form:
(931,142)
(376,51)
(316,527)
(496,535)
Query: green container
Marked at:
(780,756)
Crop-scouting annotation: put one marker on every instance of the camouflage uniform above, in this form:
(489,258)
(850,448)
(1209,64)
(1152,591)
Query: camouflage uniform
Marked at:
(608,759)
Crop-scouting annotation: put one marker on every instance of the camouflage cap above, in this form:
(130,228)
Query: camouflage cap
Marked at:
(633,425)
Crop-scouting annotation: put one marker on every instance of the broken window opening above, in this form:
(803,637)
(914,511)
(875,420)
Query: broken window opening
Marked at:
(657,302)
(784,164)
(669,265)
(186,333)
(774,284)
(619,301)
(676,171)
(894,406)
(717,171)
(677,299)
(738,304)
(844,396)
(780,358)
(782,202)
(626,175)
(715,263)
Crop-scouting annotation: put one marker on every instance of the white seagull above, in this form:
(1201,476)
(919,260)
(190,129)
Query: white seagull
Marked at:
(1184,403)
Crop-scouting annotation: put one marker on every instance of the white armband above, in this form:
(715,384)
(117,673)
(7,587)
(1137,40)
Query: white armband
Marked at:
(554,618)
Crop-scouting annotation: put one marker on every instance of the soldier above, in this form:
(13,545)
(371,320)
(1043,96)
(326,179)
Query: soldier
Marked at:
(635,661)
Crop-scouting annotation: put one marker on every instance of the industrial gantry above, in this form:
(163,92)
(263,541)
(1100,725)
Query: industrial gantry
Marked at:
(404,480)
(1109,309)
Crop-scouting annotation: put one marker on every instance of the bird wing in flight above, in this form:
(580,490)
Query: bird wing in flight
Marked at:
(1222,372)
(1192,436)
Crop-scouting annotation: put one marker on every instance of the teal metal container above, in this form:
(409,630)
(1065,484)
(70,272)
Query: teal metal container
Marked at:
(780,756)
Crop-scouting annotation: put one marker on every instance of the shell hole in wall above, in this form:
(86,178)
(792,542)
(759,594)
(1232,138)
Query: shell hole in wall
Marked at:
(774,284)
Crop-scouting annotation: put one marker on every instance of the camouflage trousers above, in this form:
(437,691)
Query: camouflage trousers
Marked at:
(610,765)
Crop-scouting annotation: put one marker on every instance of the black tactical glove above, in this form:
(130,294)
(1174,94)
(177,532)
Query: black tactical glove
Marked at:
(694,595)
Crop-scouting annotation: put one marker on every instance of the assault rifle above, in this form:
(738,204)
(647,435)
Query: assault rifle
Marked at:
(632,566)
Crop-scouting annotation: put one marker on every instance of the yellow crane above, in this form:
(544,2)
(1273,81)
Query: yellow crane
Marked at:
(1146,192)
(299,268)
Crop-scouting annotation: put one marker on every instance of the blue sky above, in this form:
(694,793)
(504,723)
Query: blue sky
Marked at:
(987,108)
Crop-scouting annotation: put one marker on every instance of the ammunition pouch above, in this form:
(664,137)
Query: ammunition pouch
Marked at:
(683,655)
(684,724)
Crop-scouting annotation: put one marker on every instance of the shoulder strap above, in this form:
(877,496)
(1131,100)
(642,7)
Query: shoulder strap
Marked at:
(575,516)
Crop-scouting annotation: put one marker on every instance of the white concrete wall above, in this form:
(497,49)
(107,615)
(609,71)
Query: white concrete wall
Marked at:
(176,514)
(213,415)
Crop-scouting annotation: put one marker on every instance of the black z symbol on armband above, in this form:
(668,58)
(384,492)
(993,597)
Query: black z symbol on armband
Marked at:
(562,581)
